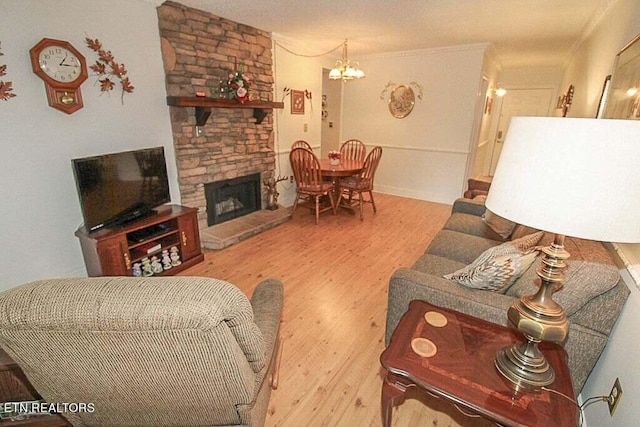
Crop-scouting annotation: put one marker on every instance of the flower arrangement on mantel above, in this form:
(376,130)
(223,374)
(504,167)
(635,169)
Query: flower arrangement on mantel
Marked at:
(107,68)
(334,157)
(238,84)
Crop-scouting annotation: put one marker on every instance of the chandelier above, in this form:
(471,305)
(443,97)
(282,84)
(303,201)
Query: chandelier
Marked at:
(344,70)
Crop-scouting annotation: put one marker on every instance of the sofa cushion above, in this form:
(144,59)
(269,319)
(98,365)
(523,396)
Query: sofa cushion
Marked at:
(497,268)
(459,246)
(500,225)
(583,282)
(582,249)
(436,265)
(469,206)
(471,224)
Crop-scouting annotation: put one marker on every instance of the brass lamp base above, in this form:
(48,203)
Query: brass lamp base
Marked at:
(525,366)
(539,318)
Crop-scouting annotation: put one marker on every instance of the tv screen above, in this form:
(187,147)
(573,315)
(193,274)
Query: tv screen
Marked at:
(121,187)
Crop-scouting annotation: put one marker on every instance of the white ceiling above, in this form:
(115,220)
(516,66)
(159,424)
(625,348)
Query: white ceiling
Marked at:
(523,32)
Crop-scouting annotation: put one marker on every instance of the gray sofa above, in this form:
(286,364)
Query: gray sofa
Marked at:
(593,294)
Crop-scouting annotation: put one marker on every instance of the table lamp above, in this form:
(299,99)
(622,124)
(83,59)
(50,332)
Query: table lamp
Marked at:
(571,177)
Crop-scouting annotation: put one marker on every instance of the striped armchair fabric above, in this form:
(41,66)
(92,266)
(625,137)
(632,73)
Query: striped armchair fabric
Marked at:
(162,351)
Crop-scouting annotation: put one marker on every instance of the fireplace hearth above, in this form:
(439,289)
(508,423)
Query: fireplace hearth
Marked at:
(232,198)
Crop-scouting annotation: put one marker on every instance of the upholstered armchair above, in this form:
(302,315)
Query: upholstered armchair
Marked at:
(163,351)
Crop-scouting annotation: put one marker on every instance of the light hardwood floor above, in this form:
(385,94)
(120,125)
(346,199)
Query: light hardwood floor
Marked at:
(335,277)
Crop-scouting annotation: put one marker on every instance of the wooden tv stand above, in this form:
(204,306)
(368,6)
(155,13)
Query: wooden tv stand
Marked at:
(114,251)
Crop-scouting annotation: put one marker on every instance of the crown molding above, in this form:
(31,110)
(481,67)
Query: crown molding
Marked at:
(429,51)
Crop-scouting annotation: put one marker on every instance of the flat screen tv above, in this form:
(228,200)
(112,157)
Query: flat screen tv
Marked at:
(118,188)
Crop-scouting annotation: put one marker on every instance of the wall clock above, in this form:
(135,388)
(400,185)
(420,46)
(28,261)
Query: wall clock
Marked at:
(63,70)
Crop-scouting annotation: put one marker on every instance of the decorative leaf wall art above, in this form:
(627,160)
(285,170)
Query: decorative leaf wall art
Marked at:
(108,70)
(6,88)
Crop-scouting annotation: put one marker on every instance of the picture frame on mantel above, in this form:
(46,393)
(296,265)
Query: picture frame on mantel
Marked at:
(297,101)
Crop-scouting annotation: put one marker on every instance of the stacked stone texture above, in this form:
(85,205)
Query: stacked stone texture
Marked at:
(206,48)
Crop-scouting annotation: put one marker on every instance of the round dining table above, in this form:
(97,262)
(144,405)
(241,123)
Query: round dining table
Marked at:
(345,168)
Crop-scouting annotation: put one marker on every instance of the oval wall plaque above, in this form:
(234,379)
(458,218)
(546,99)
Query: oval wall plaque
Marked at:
(401,101)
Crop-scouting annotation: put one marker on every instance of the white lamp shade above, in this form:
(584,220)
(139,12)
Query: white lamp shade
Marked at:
(335,74)
(577,177)
(349,73)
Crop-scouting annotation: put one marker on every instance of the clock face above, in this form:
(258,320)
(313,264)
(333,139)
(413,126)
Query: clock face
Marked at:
(63,70)
(59,63)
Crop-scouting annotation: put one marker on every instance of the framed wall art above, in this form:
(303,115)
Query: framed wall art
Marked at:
(603,97)
(401,101)
(297,101)
(567,100)
(623,101)
(401,98)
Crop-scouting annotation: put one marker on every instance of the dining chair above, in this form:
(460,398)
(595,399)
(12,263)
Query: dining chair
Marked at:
(301,144)
(363,182)
(308,175)
(353,149)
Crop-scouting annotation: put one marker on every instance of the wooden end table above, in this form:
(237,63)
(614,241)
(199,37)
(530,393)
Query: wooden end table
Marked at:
(462,370)
(14,387)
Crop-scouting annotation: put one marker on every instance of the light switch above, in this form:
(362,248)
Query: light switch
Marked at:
(306,127)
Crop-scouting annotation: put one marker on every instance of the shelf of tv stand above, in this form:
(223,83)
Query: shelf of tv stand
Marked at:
(114,251)
(203,106)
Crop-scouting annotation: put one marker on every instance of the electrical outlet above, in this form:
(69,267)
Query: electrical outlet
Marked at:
(614,396)
(306,127)
(291,179)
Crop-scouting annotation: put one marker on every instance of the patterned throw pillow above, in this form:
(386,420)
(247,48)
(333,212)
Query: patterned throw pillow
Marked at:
(498,267)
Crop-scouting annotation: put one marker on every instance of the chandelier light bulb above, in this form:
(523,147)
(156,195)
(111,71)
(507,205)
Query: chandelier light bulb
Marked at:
(344,70)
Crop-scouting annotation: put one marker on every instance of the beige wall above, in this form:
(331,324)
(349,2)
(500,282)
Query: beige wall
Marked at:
(332,125)
(39,207)
(425,154)
(592,61)
(491,70)
(295,71)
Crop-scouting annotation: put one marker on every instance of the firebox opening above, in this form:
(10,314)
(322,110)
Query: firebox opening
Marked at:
(232,198)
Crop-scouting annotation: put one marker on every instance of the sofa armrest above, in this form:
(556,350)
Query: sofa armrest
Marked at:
(475,187)
(407,285)
(266,301)
(468,206)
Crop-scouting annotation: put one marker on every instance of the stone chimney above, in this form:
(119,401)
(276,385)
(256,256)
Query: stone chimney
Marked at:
(199,50)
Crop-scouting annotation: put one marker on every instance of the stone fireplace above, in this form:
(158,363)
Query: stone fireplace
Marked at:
(232,198)
(199,50)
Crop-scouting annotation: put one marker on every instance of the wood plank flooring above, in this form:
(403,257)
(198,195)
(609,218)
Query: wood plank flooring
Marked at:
(335,276)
